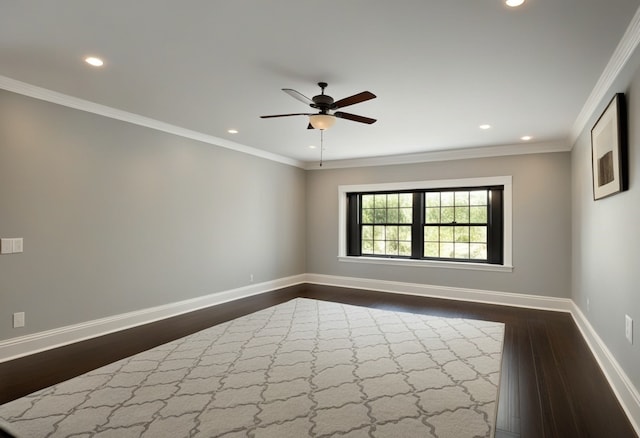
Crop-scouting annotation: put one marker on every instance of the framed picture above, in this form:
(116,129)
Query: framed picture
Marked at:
(609,149)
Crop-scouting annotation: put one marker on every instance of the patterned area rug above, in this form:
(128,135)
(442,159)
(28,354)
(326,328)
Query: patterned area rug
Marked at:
(304,368)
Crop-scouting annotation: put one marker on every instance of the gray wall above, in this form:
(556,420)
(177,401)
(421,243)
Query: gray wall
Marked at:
(116,217)
(541,223)
(606,240)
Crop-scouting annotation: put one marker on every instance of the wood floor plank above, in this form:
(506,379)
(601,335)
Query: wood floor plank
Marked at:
(531,420)
(508,417)
(557,410)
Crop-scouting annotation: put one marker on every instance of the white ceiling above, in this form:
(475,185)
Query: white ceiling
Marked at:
(440,68)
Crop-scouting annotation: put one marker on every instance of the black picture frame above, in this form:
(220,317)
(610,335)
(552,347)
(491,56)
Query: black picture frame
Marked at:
(609,150)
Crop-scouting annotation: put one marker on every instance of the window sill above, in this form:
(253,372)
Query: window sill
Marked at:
(427,263)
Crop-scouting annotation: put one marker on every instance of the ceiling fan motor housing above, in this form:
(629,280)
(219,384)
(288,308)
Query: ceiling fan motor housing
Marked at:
(322,102)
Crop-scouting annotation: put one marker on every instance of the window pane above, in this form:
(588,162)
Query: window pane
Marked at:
(367,201)
(432,215)
(432,199)
(367,216)
(391,247)
(447,216)
(478,215)
(446,250)
(431,234)
(462,234)
(462,198)
(478,234)
(446,199)
(446,234)
(432,249)
(405,216)
(406,200)
(462,215)
(478,197)
(478,251)
(462,250)
(383,239)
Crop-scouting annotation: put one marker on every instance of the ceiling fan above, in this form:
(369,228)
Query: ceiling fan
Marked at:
(326,117)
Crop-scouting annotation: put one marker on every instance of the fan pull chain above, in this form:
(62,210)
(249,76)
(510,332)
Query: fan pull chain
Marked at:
(321,145)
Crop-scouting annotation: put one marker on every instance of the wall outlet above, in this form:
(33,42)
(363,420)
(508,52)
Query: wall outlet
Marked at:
(251,278)
(588,305)
(628,328)
(18,319)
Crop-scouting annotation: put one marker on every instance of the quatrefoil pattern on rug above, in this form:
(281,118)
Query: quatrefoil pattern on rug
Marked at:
(304,368)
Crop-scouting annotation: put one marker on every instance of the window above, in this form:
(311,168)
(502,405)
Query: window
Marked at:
(462,222)
(463,225)
(386,221)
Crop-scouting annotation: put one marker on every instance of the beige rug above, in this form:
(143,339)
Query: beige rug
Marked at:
(304,368)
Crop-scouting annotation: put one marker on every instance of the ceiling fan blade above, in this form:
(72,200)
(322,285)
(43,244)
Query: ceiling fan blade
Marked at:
(297,95)
(354,117)
(310,126)
(352,100)
(284,115)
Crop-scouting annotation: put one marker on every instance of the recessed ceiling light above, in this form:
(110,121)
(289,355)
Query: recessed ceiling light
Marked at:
(232,131)
(513,3)
(92,60)
(484,126)
(312,146)
(526,138)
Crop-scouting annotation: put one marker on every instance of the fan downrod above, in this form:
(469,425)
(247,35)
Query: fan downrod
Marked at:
(322,101)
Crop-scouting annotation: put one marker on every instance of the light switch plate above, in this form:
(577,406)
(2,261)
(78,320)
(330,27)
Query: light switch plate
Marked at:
(18,244)
(628,328)
(18,319)
(6,246)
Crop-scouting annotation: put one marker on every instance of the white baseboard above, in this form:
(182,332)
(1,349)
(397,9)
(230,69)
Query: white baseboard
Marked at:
(625,391)
(37,342)
(29,344)
(450,293)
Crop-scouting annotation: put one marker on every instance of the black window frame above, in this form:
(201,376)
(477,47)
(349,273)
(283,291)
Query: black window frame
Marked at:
(495,224)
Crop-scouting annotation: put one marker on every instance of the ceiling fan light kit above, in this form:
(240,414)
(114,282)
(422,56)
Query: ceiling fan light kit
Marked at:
(322,121)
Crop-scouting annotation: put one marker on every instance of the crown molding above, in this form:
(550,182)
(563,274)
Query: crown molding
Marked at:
(113,113)
(618,61)
(455,154)
(47,95)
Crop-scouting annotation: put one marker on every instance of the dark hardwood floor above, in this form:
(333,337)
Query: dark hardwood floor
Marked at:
(551,385)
